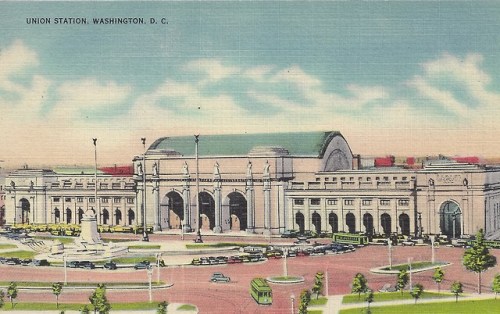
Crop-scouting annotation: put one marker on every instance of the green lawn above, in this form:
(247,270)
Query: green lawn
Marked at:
(477,306)
(7,246)
(63,240)
(19,254)
(186,307)
(221,244)
(391,296)
(134,260)
(144,247)
(22,284)
(315,312)
(75,307)
(319,301)
(414,266)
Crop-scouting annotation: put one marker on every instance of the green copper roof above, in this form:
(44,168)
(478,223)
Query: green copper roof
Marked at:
(76,170)
(304,143)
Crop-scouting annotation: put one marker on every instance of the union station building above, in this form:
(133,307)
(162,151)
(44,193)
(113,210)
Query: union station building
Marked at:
(265,184)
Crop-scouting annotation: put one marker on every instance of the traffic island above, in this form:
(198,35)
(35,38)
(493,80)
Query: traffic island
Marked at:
(285,279)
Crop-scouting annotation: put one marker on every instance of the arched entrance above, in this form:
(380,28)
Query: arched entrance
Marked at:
(404,224)
(237,211)
(25,210)
(131,217)
(105,216)
(57,215)
(299,220)
(68,215)
(385,221)
(450,219)
(80,215)
(316,221)
(174,203)
(368,223)
(350,221)
(118,217)
(207,211)
(333,220)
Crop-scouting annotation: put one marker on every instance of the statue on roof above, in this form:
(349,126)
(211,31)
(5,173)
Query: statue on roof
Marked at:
(266,169)
(155,169)
(139,169)
(249,170)
(216,170)
(185,169)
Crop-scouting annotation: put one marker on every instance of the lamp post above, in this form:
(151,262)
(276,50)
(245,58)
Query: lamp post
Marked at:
(409,265)
(198,233)
(389,246)
(158,257)
(150,275)
(95,180)
(65,269)
(145,236)
(292,299)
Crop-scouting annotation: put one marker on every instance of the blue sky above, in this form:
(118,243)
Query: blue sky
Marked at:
(407,78)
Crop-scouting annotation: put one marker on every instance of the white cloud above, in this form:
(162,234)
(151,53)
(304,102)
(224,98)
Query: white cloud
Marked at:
(14,60)
(213,69)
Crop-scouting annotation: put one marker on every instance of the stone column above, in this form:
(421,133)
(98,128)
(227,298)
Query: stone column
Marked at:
(267,199)
(156,206)
(218,207)
(186,195)
(250,195)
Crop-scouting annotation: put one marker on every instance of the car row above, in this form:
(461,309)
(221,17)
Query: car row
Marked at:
(24,262)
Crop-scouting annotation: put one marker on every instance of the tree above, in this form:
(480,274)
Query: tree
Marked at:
(305,298)
(402,279)
(495,287)
(85,309)
(12,292)
(456,288)
(438,277)
(359,284)
(56,290)
(369,298)
(318,284)
(162,308)
(2,298)
(478,258)
(416,291)
(99,301)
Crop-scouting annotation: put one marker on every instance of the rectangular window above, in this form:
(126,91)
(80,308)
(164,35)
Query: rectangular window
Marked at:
(78,185)
(104,199)
(404,178)
(332,201)
(67,199)
(348,202)
(79,199)
(104,186)
(116,185)
(385,202)
(366,202)
(130,200)
(368,179)
(404,202)
(116,200)
(90,185)
(67,184)
(315,201)
(298,201)
(334,179)
(56,199)
(91,200)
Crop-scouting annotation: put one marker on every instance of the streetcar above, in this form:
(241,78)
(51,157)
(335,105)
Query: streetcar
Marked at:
(350,238)
(261,292)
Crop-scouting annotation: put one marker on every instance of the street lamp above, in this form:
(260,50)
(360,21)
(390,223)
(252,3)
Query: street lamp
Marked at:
(65,269)
(95,179)
(150,275)
(198,233)
(145,236)
(158,258)
(292,298)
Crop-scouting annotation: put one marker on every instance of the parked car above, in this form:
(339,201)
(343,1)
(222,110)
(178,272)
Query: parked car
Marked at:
(110,265)
(87,265)
(408,243)
(40,262)
(26,262)
(219,277)
(73,264)
(142,265)
(289,234)
(13,261)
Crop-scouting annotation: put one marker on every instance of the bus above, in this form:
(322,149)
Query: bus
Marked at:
(350,238)
(261,292)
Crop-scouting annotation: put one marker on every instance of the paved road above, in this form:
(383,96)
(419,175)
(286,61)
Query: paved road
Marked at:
(191,283)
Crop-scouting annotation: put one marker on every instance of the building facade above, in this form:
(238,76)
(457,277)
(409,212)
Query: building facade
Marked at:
(265,184)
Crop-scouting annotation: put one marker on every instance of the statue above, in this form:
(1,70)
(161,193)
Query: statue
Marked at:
(249,169)
(266,169)
(155,169)
(216,170)
(185,169)
(139,169)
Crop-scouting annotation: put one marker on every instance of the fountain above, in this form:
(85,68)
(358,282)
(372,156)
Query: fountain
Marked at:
(89,245)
